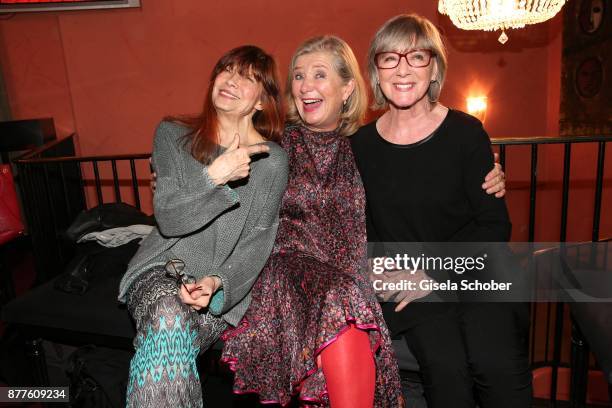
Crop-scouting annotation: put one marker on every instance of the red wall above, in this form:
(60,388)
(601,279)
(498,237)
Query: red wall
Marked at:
(111,75)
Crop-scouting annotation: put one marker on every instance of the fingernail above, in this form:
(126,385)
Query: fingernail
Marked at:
(194,289)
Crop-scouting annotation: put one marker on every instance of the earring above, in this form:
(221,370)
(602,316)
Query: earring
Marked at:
(430,91)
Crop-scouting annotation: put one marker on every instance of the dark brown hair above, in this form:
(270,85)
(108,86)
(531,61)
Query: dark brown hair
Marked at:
(248,60)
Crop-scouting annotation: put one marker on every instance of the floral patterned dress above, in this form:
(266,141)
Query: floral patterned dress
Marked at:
(313,285)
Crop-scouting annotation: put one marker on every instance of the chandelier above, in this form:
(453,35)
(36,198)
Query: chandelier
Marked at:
(493,15)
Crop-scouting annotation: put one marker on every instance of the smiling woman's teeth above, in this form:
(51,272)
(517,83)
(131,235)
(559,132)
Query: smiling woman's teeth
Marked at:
(404,86)
(311,101)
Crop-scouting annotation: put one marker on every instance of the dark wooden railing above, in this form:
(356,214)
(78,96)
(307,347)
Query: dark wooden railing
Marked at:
(579,347)
(56,186)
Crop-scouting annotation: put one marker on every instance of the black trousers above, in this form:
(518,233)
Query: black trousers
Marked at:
(469,353)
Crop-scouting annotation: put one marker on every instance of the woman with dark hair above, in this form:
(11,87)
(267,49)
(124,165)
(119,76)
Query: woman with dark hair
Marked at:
(220,179)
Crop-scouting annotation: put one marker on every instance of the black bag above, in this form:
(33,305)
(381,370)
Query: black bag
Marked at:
(106,216)
(93,262)
(98,377)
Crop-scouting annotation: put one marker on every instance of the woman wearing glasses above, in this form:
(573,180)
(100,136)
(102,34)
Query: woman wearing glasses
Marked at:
(421,164)
(220,179)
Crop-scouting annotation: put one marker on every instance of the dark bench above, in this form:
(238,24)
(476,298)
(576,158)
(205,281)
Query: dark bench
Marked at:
(53,184)
(49,314)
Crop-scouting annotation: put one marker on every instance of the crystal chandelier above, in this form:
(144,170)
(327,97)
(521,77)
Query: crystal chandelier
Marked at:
(493,15)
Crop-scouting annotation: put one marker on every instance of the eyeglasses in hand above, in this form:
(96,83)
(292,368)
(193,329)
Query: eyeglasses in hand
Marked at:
(174,270)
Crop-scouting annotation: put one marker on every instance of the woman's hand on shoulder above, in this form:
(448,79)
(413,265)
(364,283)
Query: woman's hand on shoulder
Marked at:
(234,163)
(495,180)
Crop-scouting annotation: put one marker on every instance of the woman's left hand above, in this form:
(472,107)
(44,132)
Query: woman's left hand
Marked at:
(495,181)
(198,295)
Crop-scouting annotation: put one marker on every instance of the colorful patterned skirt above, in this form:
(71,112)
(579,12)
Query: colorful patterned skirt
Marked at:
(301,305)
(169,337)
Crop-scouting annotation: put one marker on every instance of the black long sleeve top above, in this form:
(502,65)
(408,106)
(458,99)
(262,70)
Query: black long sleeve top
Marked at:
(430,191)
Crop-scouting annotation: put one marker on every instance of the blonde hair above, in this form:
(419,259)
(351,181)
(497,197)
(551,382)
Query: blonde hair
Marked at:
(346,66)
(397,33)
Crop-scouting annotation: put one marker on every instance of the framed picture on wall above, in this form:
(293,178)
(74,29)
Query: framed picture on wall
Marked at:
(586,77)
(13,6)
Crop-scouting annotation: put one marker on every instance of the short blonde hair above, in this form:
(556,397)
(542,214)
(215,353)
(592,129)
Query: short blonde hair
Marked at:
(397,33)
(346,66)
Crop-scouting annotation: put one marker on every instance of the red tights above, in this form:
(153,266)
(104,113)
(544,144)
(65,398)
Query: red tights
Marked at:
(349,370)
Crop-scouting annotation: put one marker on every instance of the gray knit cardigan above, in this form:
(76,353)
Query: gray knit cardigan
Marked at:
(215,230)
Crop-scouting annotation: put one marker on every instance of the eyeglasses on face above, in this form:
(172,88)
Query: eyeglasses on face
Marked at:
(418,58)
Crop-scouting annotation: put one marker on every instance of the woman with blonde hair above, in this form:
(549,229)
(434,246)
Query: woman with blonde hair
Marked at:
(314,327)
